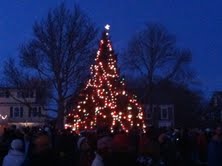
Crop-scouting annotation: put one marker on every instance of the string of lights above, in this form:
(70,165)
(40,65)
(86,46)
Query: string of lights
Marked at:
(104,101)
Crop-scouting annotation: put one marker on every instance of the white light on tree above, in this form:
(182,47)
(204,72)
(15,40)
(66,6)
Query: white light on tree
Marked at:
(107,27)
(98,103)
(129,108)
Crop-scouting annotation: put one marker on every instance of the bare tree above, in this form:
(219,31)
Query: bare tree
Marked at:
(15,77)
(60,52)
(153,55)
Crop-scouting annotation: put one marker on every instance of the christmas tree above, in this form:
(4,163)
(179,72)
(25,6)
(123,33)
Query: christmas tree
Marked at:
(104,102)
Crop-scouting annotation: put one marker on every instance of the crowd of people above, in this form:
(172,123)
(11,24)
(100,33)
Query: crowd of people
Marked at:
(156,147)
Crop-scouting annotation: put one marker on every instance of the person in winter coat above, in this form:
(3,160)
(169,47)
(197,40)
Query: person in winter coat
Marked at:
(167,150)
(86,155)
(103,152)
(149,151)
(122,151)
(42,153)
(15,156)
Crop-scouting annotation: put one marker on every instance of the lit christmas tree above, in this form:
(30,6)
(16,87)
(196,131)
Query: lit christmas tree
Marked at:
(104,101)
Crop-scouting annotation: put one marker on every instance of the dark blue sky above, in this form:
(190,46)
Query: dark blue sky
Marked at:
(197,25)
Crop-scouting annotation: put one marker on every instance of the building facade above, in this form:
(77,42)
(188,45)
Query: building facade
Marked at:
(20,107)
(215,111)
(161,115)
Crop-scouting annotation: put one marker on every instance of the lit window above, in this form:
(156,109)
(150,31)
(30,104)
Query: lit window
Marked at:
(30,112)
(19,94)
(16,112)
(148,112)
(4,94)
(39,112)
(164,113)
(34,112)
(21,112)
(11,112)
(31,94)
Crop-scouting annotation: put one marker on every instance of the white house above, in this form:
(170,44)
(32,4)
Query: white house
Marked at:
(19,107)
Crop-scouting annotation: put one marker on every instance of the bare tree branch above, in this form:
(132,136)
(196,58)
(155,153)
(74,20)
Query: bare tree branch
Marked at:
(60,51)
(153,54)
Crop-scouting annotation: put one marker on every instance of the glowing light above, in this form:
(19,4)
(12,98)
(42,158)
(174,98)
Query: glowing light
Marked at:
(107,27)
(101,100)
(3,117)
(129,108)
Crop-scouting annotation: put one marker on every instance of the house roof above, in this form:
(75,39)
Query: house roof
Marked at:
(12,88)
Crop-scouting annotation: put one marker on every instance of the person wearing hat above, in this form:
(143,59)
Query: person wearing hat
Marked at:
(122,150)
(15,156)
(42,153)
(103,153)
(85,153)
(82,143)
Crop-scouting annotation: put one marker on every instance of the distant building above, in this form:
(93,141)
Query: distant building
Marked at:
(163,107)
(162,115)
(215,111)
(20,107)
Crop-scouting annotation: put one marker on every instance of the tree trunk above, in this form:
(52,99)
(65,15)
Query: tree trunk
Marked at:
(60,117)
(150,88)
(151,103)
(61,108)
